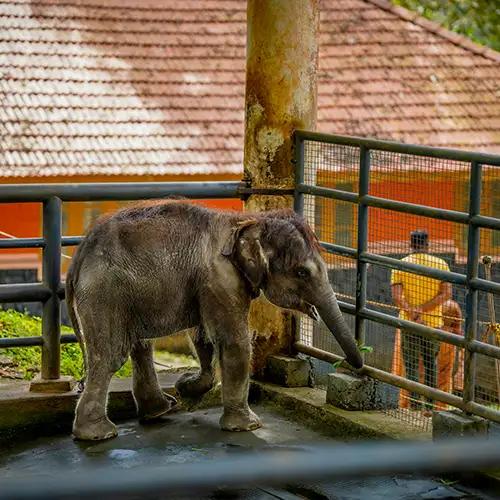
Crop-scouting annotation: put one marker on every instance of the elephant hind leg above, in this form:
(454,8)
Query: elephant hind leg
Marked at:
(151,401)
(194,385)
(107,350)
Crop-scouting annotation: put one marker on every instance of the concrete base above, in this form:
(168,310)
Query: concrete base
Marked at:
(351,392)
(307,405)
(62,384)
(455,423)
(288,372)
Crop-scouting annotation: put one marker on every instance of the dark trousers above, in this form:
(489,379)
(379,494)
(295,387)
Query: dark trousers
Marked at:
(415,347)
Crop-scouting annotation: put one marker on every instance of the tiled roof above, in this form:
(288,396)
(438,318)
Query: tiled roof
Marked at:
(157,87)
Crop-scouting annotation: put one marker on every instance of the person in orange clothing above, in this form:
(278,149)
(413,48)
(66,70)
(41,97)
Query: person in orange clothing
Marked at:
(450,360)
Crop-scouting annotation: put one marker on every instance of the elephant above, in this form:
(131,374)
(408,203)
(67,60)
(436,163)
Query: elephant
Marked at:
(157,268)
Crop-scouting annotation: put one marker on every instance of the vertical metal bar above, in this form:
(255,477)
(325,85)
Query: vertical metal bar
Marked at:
(298,197)
(51,314)
(471,299)
(361,267)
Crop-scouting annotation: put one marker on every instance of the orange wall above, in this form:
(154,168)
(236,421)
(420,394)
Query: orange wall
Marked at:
(388,225)
(24,219)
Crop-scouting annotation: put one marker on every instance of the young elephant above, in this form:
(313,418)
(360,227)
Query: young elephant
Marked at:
(158,268)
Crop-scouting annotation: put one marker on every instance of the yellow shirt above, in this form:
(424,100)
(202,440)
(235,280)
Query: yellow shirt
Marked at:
(420,289)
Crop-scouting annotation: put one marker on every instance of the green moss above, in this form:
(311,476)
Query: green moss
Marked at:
(28,359)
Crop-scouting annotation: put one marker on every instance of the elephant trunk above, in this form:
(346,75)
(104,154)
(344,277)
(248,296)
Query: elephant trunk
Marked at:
(330,313)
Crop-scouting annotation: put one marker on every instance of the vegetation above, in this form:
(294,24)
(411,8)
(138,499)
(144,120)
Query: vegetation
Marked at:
(478,20)
(26,360)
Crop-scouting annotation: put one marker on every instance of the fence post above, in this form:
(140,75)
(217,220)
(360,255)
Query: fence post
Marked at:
(471,299)
(361,267)
(298,197)
(50,379)
(51,315)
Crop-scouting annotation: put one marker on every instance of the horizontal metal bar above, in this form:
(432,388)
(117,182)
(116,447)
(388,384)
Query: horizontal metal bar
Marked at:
(397,147)
(309,464)
(398,206)
(339,249)
(22,243)
(486,222)
(448,276)
(69,241)
(20,342)
(432,333)
(347,307)
(486,349)
(403,383)
(104,191)
(246,190)
(390,378)
(336,194)
(424,330)
(32,341)
(24,292)
(413,208)
(485,285)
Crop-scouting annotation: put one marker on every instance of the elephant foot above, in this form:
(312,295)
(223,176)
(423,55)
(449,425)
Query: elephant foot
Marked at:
(154,408)
(97,430)
(193,385)
(238,421)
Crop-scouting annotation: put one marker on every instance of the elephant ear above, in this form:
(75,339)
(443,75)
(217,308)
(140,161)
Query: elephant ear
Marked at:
(245,250)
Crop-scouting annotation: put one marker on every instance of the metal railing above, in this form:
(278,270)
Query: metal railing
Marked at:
(473,219)
(51,290)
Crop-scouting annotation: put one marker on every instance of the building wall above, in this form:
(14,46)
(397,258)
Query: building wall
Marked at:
(25,220)
(336,221)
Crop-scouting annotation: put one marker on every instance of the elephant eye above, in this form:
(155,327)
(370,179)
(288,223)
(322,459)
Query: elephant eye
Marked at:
(302,272)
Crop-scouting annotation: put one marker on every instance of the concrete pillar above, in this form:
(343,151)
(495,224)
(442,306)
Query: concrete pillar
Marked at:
(282,48)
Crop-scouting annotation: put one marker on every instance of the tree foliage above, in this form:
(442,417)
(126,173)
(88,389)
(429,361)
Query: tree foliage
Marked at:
(478,20)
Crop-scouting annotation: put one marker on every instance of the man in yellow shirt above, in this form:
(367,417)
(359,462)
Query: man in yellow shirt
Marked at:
(420,299)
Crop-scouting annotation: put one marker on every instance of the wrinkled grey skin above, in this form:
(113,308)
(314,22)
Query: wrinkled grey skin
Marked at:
(158,268)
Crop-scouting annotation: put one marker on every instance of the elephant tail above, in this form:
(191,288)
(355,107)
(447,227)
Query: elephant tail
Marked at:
(77,326)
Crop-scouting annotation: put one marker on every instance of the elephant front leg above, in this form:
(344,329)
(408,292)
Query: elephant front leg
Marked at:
(235,363)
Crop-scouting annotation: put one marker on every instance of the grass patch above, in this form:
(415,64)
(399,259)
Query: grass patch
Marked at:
(27,360)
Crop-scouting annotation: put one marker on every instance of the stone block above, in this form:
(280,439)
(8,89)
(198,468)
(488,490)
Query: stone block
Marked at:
(352,392)
(62,384)
(455,423)
(286,371)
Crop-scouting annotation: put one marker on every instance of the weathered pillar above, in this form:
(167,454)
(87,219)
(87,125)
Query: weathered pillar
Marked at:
(282,49)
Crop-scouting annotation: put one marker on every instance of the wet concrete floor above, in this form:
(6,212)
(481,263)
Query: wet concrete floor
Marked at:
(187,437)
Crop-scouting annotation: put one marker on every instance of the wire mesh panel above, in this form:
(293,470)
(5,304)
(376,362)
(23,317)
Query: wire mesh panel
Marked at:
(421,262)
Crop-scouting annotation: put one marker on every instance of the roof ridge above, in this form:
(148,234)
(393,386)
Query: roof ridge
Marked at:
(437,29)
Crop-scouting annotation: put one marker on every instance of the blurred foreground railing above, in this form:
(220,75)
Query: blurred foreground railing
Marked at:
(308,464)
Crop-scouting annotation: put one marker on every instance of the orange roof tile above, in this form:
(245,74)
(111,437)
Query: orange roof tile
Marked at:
(157,87)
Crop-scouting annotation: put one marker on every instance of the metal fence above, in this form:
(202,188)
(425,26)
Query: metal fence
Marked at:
(51,290)
(355,194)
(363,197)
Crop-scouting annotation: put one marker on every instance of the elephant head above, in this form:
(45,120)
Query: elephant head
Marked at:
(278,254)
